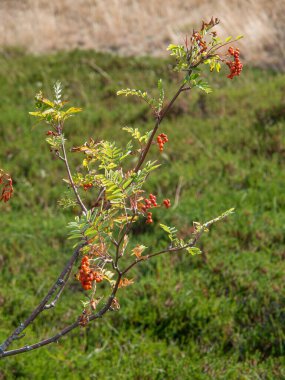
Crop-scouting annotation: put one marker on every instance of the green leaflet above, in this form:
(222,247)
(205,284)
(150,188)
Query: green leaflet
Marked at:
(136,134)
(193,250)
(155,104)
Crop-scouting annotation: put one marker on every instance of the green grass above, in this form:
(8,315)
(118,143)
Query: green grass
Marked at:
(216,316)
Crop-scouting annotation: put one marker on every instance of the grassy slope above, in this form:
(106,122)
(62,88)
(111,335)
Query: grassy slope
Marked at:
(218,316)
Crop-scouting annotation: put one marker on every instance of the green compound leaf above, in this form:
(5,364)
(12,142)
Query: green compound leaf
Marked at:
(194,251)
(171,231)
(140,94)
(136,134)
(204,86)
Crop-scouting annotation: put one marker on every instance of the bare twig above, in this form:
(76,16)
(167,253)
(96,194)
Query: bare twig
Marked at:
(220,45)
(53,303)
(159,119)
(126,232)
(186,88)
(84,209)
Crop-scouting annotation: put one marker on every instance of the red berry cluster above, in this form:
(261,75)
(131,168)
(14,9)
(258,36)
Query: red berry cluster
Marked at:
(196,36)
(235,66)
(166,203)
(149,203)
(87,275)
(87,186)
(7,190)
(161,140)
(149,218)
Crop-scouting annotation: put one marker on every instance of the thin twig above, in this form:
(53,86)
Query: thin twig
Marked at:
(84,209)
(127,231)
(216,47)
(53,303)
(160,117)
(197,236)
(147,257)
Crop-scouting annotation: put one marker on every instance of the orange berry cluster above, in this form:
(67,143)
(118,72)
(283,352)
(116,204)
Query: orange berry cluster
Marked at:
(161,140)
(166,203)
(87,275)
(87,186)
(7,190)
(149,203)
(234,66)
(196,36)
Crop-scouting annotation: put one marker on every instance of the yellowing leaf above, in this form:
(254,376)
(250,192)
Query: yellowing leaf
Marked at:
(125,282)
(125,243)
(45,101)
(172,46)
(85,163)
(72,110)
(36,114)
(126,219)
(218,67)
(138,250)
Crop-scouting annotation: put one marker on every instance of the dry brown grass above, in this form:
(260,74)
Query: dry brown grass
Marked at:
(141,26)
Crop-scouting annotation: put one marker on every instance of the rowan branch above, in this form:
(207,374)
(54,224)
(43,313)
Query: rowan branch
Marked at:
(60,282)
(66,330)
(51,112)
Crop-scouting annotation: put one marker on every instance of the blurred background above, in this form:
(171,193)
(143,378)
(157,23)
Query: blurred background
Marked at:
(141,27)
(219,315)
